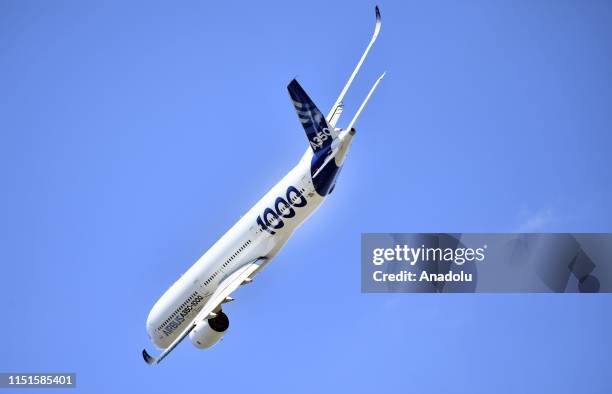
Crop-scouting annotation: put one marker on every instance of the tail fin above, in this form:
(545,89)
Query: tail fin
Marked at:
(317,130)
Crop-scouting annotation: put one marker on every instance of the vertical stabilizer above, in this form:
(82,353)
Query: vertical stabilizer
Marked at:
(318,132)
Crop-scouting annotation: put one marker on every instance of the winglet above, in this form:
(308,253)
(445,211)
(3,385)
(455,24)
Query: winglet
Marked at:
(147,357)
(378,22)
(336,110)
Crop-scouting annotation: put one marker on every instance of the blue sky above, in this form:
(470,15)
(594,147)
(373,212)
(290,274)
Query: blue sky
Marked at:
(134,135)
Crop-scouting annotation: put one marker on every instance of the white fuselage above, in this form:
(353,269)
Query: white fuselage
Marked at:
(261,232)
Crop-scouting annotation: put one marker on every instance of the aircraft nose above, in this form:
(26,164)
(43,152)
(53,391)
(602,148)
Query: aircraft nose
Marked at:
(152,320)
(156,317)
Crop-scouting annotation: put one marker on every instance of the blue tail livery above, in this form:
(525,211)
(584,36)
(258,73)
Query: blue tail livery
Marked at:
(317,130)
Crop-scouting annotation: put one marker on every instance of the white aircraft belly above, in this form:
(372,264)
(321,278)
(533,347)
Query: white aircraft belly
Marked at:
(263,244)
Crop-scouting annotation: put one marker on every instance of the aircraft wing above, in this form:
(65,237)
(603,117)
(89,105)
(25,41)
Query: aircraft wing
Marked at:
(336,110)
(228,286)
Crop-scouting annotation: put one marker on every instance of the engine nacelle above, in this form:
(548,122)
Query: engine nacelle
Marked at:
(209,332)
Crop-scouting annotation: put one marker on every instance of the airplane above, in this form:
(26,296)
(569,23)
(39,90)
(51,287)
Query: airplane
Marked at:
(192,306)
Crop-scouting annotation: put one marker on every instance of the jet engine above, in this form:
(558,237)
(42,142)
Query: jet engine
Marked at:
(209,332)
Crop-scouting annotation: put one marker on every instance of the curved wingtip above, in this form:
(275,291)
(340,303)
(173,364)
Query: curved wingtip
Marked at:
(378,22)
(147,357)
